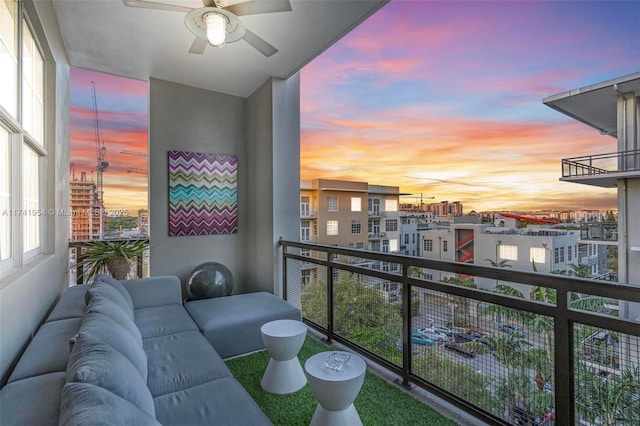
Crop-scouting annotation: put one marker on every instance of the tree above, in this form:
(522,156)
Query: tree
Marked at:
(461,304)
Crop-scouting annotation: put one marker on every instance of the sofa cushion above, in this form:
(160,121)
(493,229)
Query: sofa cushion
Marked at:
(70,305)
(104,306)
(222,320)
(105,290)
(118,286)
(32,401)
(99,364)
(106,330)
(48,351)
(181,360)
(85,404)
(222,402)
(163,320)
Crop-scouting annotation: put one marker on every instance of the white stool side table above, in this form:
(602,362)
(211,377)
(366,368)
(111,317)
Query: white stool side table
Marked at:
(335,390)
(283,340)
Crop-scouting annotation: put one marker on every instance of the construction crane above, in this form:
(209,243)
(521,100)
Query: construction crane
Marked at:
(136,170)
(136,153)
(101,150)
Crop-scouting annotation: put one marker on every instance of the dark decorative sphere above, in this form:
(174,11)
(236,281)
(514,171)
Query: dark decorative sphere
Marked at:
(208,280)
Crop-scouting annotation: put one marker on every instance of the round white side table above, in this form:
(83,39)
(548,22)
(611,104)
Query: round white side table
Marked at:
(335,390)
(283,339)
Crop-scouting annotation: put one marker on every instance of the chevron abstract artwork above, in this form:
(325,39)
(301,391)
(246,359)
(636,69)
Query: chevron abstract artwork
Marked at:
(203,194)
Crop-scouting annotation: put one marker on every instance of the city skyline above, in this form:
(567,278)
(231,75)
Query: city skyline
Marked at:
(448,102)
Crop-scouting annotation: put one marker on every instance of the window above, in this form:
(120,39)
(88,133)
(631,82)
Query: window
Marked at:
(22,153)
(568,253)
(391,205)
(406,239)
(315,228)
(385,246)
(375,246)
(413,238)
(537,254)
(374,226)
(508,252)
(360,246)
(356,204)
(332,203)
(428,245)
(445,245)
(304,230)
(393,245)
(356,226)
(556,255)
(332,227)
(305,206)
(305,277)
(428,277)
(374,206)
(391,225)
(561,254)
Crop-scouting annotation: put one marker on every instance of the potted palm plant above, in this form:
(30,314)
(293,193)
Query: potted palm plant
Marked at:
(114,256)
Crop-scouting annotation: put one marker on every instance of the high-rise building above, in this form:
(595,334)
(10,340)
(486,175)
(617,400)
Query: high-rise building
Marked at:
(86,217)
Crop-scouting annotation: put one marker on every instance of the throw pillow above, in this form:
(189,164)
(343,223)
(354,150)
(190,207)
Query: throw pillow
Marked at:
(107,279)
(106,307)
(107,291)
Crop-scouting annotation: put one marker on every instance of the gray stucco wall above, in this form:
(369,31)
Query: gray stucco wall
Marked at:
(28,294)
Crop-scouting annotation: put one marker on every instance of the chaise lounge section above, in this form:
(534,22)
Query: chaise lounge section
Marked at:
(128,352)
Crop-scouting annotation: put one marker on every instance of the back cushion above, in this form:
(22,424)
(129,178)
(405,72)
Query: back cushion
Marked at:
(99,364)
(104,306)
(118,286)
(106,330)
(105,290)
(85,404)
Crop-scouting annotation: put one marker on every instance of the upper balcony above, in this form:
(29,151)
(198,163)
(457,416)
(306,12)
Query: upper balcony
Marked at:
(599,232)
(603,170)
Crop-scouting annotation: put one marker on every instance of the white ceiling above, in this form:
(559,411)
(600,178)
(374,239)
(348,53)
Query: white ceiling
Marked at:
(105,35)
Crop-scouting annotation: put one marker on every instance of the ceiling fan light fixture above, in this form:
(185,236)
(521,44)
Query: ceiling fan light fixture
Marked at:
(216,28)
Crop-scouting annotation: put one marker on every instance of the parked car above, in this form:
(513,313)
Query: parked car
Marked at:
(511,328)
(419,339)
(442,329)
(475,335)
(455,347)
(433,335)
(462,338)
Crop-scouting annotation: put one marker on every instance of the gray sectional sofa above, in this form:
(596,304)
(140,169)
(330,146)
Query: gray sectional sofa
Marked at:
(129,353)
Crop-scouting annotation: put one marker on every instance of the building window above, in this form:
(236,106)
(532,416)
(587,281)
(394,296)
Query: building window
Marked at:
(305,206)
(375,246)
(393,245)
(508,252)
(332,227)
(385,246)
(305,277)
(374,206)
(315,228)
(391,225)
(304,230)
(356,204)
(428,277)
(360,246)
(332,203)
(445,245)
(356,226)
(561,254)
(374,226)
(568,253)
(406,239)
(391,205)
(537,254)
(556,255)
(22,153)
(428,245)
(413,239)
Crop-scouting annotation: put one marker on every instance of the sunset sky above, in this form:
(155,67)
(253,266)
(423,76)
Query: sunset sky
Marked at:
(445,99)
(442,98)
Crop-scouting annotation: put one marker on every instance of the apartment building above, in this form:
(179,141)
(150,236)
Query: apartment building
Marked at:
(87,222)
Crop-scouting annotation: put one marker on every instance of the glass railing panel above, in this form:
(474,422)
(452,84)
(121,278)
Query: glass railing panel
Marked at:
(607,376)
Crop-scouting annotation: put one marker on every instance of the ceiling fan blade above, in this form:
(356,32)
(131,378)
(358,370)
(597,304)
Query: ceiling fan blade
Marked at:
(259,44)
(198,46)
(253,7)
(209,3)
(158,6)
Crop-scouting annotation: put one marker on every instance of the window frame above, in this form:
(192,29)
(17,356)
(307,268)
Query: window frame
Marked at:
(332,228)
(331,205)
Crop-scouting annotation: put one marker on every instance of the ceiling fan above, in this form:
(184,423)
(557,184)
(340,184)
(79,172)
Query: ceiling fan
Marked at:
(217,22)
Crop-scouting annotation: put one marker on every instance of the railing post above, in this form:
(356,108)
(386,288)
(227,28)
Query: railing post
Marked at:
(284,271)
(329,297)
(406,326)
(139,265)
(79,266)
(563,352)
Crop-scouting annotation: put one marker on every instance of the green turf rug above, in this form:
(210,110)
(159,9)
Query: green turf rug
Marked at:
(379,403)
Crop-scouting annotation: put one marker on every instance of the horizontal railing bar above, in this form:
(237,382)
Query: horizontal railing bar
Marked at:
(598,320)
(622,291)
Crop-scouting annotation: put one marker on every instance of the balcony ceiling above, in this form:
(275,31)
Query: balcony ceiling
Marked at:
(595,105)
(140,43)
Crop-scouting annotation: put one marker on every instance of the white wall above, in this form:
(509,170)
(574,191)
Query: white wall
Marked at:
(28,294)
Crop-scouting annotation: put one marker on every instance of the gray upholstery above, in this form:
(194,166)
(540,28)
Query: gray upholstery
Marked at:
(118,286)
(71,304)
(105,290)
(181,360)
(99,364)
(85,404)
(22,402)
(224,319)
(104,306)
(222,402)
(104,329)
(162,320)
(52,339)
(154,291)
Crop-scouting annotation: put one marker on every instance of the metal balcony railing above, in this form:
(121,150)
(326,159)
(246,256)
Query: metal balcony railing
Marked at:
(78,269)
(591,165)
(539,359)
(599,231)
